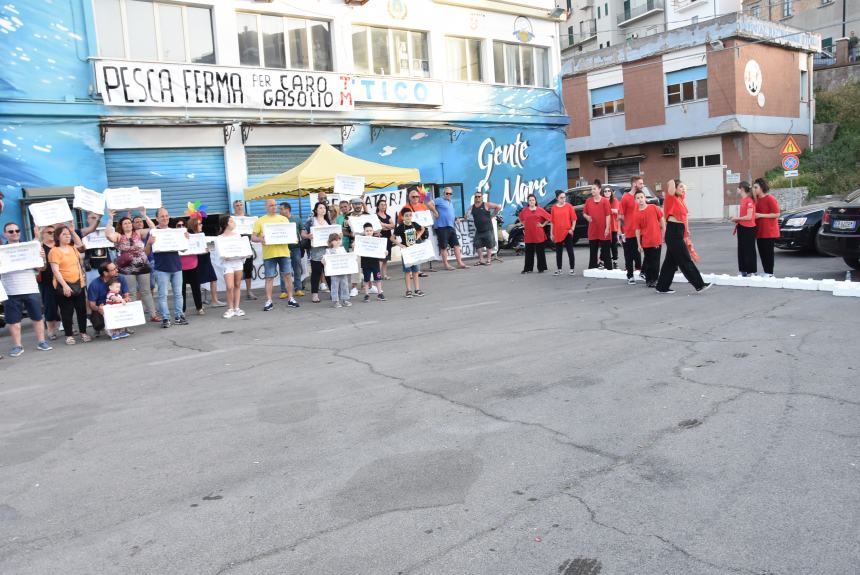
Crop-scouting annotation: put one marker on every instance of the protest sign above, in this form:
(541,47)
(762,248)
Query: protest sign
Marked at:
(51,212)
(3,296)
(279,234)
(424,218)
(230,247)
(332,199)
(245,224)
(123,198)
(151,199)
(120,315)
(340,264)
(321,234)
(196,245)
(348,186)
(417,254)
(97,239)
(356,223)
(370,246)
(20,256)
(169,240)
(89,200)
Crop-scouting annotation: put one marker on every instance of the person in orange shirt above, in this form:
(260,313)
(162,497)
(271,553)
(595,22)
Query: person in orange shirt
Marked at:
(745,229)
(563,220)
(629,210)
(609,195)
(677,250)
(596,210)
(650,225)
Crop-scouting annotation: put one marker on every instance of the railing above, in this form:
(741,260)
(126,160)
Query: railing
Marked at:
(639,10)
(823,60)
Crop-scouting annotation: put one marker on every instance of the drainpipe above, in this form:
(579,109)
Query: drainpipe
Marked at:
(811,110)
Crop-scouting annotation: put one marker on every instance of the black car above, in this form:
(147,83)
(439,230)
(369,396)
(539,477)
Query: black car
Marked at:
(840,232)
(798,229)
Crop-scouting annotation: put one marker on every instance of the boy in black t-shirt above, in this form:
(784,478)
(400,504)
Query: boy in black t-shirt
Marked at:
(370,270)
(408,233)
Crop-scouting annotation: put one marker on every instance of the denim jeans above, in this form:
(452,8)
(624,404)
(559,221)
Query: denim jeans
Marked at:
(174,280)
(296,261)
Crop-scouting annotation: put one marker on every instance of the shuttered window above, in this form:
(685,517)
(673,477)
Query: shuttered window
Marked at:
(265,162)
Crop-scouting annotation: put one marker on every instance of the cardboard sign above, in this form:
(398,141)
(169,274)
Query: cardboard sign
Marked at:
(321,234)
(356,223)
(279,234)
(169,240)
(417,254)
(370,246)
(120,315)
(151,199)
(123,198)
(424,218)
(89,201)
(348,186)
(3,296)
(233,247)
(197,244)
(97,239)
(340,264)
(21,256)
(51,212)
(245,224)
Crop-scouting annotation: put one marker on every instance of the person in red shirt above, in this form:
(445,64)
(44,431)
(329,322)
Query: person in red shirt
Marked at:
(648,230)
(629,210)
(597,211)
(534,219)
(563,221)
(767,224)
(745,229)
(609,195)
(675,238)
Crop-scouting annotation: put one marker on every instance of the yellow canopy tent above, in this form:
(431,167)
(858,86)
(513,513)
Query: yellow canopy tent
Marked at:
(318,171)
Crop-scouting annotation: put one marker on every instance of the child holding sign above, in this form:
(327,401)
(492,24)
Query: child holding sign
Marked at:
(339,284)
(114,297)
(408,233)
(370,270)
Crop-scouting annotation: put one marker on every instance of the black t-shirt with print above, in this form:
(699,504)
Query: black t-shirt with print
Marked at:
(409,234)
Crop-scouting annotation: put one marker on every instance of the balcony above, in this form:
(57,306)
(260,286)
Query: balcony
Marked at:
(634,13)
(584,4)
(587,31)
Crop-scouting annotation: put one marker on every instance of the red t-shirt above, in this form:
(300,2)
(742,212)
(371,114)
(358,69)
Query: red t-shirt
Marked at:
(532,221)
(563,218)
(598,212)
(747,206)
(674,206)
(613,216)
(648,224)
(767,227)
(629,210)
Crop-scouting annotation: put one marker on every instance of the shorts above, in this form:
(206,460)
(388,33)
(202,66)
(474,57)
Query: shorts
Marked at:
(271,265)
(485,240)
(413,269)
(232,266)
(371,274)
(446,237)
(13,307)
(248,269)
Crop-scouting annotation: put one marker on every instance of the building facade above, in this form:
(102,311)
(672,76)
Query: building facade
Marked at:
(202,98)
(710,103)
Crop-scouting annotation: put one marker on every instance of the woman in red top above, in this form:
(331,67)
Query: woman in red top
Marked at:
(767,214)
(745,228)
(613,215)
(598,213)
(563,222)
(533,219)
(677,252)
(649,227)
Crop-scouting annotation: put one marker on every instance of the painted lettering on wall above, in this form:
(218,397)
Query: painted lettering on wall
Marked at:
(380,90)
(513,155)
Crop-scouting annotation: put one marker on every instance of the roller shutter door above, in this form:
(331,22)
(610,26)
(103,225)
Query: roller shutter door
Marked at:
(266,162)
(182,174)
(621,173)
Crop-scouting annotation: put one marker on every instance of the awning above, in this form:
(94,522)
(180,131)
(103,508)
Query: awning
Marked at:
(621,160)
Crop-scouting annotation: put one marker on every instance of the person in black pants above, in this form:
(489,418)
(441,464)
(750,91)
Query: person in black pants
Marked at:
(767,224)
(629,208)
(190,275)
(677,252)
(534,219)
(745,228)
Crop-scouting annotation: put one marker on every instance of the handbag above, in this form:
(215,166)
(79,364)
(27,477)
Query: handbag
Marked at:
(74,287)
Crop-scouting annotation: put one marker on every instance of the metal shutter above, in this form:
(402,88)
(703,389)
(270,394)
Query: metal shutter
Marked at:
(621,173)
(182,174)
(266,162)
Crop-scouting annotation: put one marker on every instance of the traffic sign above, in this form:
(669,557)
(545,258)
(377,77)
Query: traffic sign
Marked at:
(790,173)
(790,147)
(790,162)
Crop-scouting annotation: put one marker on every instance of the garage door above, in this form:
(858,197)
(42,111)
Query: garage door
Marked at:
(182,174)
(701,170)
(266,162)
(621,173)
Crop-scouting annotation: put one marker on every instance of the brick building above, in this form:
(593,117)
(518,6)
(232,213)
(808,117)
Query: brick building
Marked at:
(710,103)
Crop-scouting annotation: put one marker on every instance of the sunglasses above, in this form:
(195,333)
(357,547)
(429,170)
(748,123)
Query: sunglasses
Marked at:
(13,231)
(447,193)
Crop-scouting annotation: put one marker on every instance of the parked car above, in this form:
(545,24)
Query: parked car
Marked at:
(798,229)
(840,232)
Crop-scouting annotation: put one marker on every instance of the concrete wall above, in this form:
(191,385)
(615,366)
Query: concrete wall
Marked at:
(826,79)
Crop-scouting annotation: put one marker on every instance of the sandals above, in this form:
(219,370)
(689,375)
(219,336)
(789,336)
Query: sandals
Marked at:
(85,337)
(315,298)
(70,341)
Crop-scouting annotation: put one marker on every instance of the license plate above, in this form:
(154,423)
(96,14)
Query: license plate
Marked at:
(844,224)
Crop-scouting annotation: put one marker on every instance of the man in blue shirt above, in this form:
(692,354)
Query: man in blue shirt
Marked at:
(97,293)
(446,235)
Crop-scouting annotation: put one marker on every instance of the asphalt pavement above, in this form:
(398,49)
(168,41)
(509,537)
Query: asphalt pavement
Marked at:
(503,424)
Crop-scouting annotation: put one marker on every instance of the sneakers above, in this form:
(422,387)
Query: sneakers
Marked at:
(571,272)
(347,303)
(249,295)
(201,311)
(381,297)
(16,351)
(556,273)
(366,298)
(180,320)
(408,294)
(600,266)
(124,334)
(268,306)
(353,292)
(704,288)
(114,337)
(44,346)
(228,314)
(239,312)
(631,282)
(667,291)
(373,290)
(338,304)
(419,293)
(300,293)
(283,295)
(323,286)
(293,303)
(165,323)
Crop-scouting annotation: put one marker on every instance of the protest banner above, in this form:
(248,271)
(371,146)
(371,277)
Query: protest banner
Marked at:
(348,187)
(97,239)
(151,199)
(51,212)
(370,246)
(340,264)
(332,199)
(121,315)
(20,256)
(169,240)
(123,198)
(356,223)
(417,254)
(229,247)
(197,244)
(321,234)
(89,201)
(424,218)
(245,224)
(279,234)
(3,296)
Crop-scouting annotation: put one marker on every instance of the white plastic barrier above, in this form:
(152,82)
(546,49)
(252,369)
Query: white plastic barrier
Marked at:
(799,284)
(847,289)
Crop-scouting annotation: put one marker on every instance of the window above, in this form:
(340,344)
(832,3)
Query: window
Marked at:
(607,100)
(804,86)
(520,65)
(701,161)
(687,85)
(281,42)
(755,10)
(787,8)
(155,31)
(464,59)
(390,52)
(569,35)
(598,12)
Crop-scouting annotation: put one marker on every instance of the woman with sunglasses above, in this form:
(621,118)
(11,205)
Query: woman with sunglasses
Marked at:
(69,281)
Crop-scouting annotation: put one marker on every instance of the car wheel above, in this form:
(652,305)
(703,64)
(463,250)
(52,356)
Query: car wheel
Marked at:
(816,243)
(853,262)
